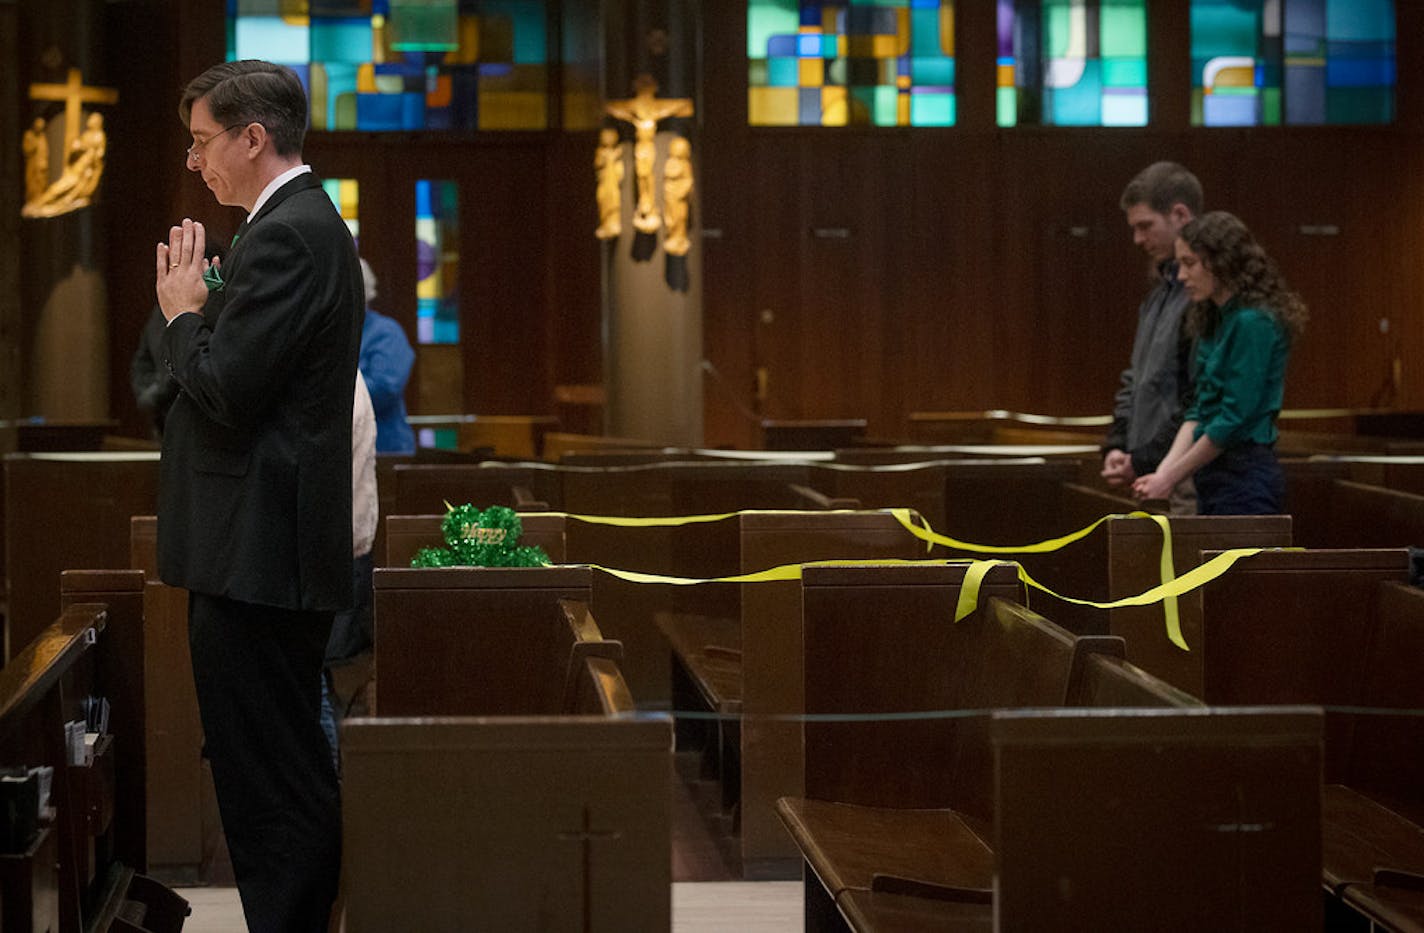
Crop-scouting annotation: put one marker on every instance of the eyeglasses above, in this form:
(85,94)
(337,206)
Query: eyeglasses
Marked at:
(196,150)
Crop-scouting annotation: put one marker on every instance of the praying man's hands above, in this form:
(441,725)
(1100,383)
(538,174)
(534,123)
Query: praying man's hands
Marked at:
(180,268)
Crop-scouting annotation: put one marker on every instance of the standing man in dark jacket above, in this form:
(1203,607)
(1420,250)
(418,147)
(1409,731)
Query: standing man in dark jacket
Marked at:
(254,514)
(1156,386)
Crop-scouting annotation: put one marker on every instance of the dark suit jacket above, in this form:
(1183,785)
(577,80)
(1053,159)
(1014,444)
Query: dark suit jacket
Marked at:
(255,494)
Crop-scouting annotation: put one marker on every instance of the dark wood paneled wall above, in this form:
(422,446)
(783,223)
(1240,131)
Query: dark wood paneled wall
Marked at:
(992,268)
(967,267)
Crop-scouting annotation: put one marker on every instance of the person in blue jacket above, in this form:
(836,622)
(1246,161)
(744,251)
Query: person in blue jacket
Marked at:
(386,359)
(1244,319)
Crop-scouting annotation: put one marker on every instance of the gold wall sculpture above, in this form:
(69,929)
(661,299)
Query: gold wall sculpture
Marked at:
(643,111)
(608,168)
(82,167)
(677,186)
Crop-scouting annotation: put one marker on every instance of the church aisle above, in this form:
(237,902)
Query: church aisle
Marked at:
(697,907)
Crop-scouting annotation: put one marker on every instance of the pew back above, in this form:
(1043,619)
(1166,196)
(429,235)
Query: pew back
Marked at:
(1295,627)
(473,641)
(424,489)
(506,823)
(66,510)
(183,828)
(882,641)
(1133,548)
(1387,751)
(1178,820)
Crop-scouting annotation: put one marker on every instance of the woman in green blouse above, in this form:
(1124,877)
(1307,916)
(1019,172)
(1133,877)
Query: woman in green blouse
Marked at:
(1244,320)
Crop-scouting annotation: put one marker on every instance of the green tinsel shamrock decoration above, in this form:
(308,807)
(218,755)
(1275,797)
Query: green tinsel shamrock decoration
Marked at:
(480,539)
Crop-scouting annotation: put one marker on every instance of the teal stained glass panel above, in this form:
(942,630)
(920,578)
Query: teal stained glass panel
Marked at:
(405,65)
(1268,62)
(1072,62)
(850,62)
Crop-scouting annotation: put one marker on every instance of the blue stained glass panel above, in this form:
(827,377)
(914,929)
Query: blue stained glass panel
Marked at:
(470,64)
(437,234)
(1266,62)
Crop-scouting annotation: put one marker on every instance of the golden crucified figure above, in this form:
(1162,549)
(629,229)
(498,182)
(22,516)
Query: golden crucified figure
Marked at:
(644,110)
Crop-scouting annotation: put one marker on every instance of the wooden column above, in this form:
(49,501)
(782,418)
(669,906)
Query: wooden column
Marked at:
(652,300)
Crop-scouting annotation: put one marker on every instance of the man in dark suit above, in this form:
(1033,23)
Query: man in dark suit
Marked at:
(254,514)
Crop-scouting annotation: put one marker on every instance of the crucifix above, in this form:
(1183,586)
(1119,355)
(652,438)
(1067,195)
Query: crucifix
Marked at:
(74,93)
(586,835)
(644,110)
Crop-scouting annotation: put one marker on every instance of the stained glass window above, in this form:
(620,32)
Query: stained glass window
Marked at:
(1072,62)
(1269,62)
(437,235)
(405,64)
(850,62)
(345,193)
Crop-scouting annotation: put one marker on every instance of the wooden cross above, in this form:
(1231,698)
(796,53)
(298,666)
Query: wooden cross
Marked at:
(74,93)
(586,835)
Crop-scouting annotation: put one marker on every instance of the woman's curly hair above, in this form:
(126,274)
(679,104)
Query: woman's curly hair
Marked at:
(1233,256)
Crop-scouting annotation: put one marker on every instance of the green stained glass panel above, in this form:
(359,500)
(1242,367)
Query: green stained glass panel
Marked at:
(850,62)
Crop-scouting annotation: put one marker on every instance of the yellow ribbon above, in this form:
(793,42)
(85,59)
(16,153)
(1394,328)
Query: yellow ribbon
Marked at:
(1166,592)
(974,576)
(1165,564)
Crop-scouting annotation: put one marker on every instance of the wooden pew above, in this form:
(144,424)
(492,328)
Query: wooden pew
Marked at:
(85,865)
(514,789)
(1081,569)
(507,435)
(506,823)
(1133,546)
(748,662)
(824,434)
(1308,497)
(67,510)
(1338,502)
(997,427)
(184,831)
(628,610)
(1118,851)
(1342,629)
(423,489)
(913,796)
(386,479)
(1371,516)
(1401,473)
(917,486)
(1295,627)
(433,627)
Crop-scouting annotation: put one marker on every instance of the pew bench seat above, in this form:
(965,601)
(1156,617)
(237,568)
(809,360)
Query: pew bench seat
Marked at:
(1398,905)
(708,651)
(1372,858)
(851,846)
(1362,837)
